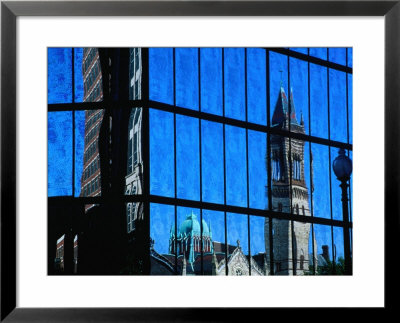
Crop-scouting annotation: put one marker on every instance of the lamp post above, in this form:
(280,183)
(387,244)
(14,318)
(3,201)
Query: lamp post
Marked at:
(342,167)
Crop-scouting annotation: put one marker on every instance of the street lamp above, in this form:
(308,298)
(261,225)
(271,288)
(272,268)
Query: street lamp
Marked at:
(342,167)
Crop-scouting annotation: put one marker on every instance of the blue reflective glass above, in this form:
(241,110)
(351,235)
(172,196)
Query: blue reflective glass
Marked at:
(299,91)
(258,179)
(211,80)
(212,162)
(338,246)
(59,154)
(350,57)
(162,171)
(234,80)
(338,105)
(303,50)
(187,158)
(59,75)
(257,237)
(216,224)
(161,75)
(323,249)
(78,77)
(214,228)
(162,224)
(337,55)
(319,101)
(187,77)
(320,181)
(350,105)
(256,86)
(319,52)
(237,230)
(236,170)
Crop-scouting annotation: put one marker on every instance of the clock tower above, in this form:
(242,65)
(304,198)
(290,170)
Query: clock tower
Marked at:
(289,193)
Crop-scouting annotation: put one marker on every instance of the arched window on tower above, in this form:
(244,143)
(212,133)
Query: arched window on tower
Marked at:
(296,168)
(276,167)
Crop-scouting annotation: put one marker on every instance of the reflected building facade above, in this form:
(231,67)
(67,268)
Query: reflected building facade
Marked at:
(289,193)
(134,174)
(93,92)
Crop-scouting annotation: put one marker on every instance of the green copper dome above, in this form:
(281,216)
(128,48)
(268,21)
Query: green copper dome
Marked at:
(192,226)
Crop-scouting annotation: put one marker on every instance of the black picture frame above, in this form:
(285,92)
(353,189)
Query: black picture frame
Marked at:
(10,10)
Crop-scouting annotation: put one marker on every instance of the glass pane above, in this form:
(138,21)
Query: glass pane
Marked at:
(320,181)
(161,75)
(323,259)
(88,159)
(134,173)
(162,171)
(319,101)
(301,236)
(187,158)
(238,244)
(79,149)
(350,57)
(62,238)
(78,77)
(278,88)
(292,247)
(260,260)
(280,174)
(162,234)
(211,80)
(135,73)
(234,79)
(319,52)
(187,78)
(134,222)
(337,55)
(256,86)
(59,162)
(338,105)
(212,162)
(350,106)
(236,169)
(299,95)
(258,176)
(339,251)
(301,189)
(89,76)
(189,241)
(59,75)
(282,247)
(214,243)
(303,50)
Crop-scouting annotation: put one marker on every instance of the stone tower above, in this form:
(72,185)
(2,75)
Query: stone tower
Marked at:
(290,239)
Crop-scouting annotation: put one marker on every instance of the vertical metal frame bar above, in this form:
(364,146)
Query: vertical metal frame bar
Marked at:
(224,148)
(330,166)
(247,158)
(269,170)
(175,169)
(146,154)
(200,168)
(310,164)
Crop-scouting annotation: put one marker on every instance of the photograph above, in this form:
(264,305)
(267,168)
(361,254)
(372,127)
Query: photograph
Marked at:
(199,161)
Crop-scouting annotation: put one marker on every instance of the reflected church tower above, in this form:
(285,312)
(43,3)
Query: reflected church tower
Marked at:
(290,238)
